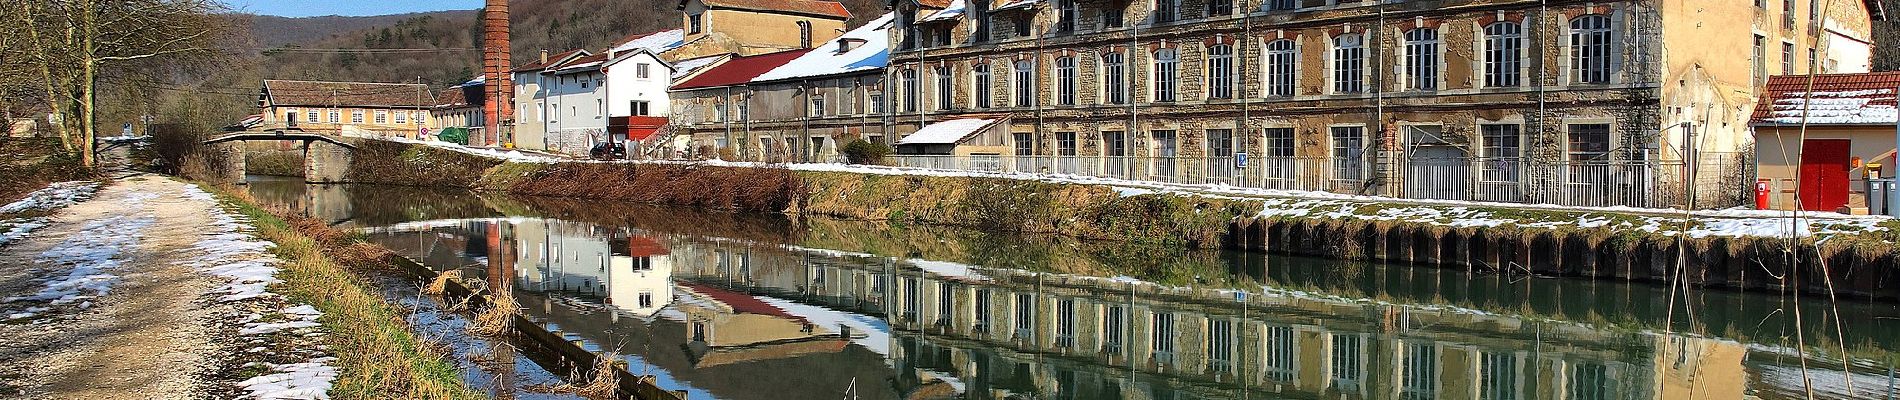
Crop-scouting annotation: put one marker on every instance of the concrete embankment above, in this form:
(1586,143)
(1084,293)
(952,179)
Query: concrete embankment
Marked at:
(1847,257)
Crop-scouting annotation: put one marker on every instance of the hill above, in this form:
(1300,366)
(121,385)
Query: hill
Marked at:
(272,31)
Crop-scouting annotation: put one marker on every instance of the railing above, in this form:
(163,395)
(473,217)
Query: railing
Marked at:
(1655,184)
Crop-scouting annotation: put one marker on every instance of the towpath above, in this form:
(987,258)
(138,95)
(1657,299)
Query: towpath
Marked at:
(147,290)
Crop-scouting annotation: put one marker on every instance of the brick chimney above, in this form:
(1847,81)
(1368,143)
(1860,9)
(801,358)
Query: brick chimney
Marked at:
(499,86)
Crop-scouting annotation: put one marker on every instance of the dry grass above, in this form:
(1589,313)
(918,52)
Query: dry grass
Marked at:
(498,319)
(379,355)
(605,383)
(440,285)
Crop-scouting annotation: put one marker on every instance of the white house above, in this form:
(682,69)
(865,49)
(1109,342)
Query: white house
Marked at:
(531,99)
(575,97)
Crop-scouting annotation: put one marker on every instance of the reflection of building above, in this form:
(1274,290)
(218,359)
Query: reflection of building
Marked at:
(639,276)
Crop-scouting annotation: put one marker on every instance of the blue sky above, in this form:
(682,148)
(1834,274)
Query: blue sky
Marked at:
(296,8)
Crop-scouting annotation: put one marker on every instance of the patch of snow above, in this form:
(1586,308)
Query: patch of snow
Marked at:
(309,380)
(873,43)
(17,229)
(54,196)
(948,269)
(949,12)
(945,132)
(877,333)
(687,67)
(656,42)
(93,253)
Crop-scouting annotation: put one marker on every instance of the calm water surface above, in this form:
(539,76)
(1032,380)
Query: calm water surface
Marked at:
(734,306)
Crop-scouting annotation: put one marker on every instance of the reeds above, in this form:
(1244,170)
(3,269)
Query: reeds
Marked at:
(498,319)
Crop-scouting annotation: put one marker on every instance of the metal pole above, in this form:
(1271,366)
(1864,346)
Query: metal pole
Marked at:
(1893,207)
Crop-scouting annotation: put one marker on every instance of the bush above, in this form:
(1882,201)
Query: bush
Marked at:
(863,152)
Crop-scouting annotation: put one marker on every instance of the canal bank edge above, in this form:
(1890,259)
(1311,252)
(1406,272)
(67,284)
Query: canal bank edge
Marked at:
(1855,261)
(378,356)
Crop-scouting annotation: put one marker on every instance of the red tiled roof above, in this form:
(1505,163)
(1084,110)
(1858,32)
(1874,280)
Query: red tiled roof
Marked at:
(451,98)
(1837,99)
(819,8)
(361,94)
(740,302)
(537,65)
(740,70)
(642,246)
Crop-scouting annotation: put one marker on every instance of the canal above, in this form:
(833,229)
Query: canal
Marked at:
(743,306)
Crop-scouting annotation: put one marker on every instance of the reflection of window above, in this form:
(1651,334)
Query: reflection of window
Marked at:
(1220,344)
(1280,356)
(1113,324)
(1162,341)
(646,299)
(1589,381)
(982,310)
(1345,361)
(1065,323)
(1419,378)
(1497,376)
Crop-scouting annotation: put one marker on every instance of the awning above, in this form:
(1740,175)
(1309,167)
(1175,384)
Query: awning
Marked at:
(947,132)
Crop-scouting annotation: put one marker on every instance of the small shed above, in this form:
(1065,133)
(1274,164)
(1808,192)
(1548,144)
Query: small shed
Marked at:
(1821,143)
(962,136)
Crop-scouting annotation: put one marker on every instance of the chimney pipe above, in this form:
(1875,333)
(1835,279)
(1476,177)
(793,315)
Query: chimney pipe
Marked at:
(544,56)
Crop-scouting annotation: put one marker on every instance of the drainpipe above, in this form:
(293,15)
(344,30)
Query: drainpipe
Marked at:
(725,117)
(1131,63)
(1387,141)
(1035,87)
(1543,9)
(1246,77)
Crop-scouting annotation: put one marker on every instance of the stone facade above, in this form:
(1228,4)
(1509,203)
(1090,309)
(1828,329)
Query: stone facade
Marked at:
(1400,119)
(780,121)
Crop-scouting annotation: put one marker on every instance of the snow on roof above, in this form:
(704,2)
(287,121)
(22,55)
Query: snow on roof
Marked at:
(656,42)
(872,43)
(1836,99)
(946,132)
(950,12)
(1016,4)
(686,67)
(479,79)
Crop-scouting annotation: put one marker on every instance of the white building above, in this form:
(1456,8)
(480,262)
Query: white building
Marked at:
(531,99)
(572,99)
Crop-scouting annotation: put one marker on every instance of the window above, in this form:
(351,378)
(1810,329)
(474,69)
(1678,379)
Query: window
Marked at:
(910,90)
(1503,144)
(1281,60)
(1419,378)
(643,70)
(1590,49)
(1787,14)
(356,116)
(1278,141)
(1065,144)
(1280,356)
(1065,323)
(804,34)
(1065,81)
(584,83)
(1023,22)
(877,103)
(1165,68)
(817,104)
(1497,376)
(382,116)
(1025,83)
(1281,5)
(1065,16)
(1590,381)
(1503,54)
(639,107)
(1112,17)
(1421,59)
(1349,63)
(1349,147)
(1814,64)
(600,108)
(1760,60)
(1220,8)
(1025,143)
(402,117)
(719,112)
(1167,11)
(983,20)
(1163,341)
(313,118)
(1114,144)
(1787,58)
(946,88)
(980,86)
(1220,72)
(1346,368)
(1220,142)
(695,24)
(1114,79)
(1114,324)
(1589,142)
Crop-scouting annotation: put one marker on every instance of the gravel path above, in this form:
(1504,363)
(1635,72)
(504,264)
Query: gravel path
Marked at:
(105,302)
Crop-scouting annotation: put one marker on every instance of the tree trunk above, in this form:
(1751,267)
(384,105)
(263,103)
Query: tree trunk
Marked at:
(88,83)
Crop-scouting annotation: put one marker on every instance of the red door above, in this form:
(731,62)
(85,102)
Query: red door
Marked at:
(1824,174)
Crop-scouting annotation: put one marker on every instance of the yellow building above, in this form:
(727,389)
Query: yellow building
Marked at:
(347,108)
(750,27)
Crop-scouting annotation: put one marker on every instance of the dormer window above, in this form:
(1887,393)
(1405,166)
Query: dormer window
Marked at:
(694,24)
(846,45)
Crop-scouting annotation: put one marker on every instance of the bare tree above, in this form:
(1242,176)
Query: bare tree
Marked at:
(67,44)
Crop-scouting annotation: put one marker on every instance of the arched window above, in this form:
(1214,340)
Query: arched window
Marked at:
(1114,78)
(1065,81)
(1167,63)
(1025,83)
(1503,54)
(1590,49)
(1282,59)
(980,84)
(1349,63)
(946,88)
(1421,59)
(1220,72)
(910,90)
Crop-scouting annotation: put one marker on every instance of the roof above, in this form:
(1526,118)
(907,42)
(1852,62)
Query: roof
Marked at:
(451,98)
(950,12)
(360,94)
(947,132)
(1837,99)
(740,70)
(740,302)
(937,4)
(818,8)
(582,64)
(656,42)
(642,246)
(1013,4)
(689,66)
(872,52)
(556,58)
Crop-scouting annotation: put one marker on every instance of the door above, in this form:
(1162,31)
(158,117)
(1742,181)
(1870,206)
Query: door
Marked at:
(1824,174)
(1436,169)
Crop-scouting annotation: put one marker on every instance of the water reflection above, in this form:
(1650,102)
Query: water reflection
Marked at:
(757,307)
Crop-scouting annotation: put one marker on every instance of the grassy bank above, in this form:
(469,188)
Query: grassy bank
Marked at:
(27,164)
(378,354)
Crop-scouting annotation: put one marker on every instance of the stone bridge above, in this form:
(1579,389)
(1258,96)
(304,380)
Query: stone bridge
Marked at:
(326,158)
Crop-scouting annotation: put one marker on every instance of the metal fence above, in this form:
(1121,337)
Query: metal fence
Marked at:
(1655,184)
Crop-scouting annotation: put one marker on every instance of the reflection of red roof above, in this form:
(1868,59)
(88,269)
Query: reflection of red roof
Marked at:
(642,246)
(741,302)
(740,70)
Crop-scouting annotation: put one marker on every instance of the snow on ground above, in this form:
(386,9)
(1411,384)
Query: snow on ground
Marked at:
(54,196)
(15,229)
(93,255)
(230,251)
